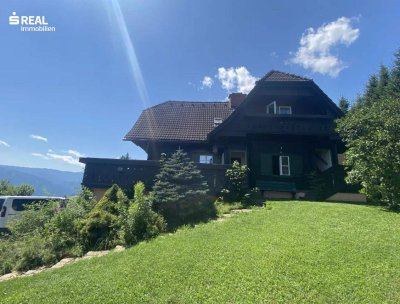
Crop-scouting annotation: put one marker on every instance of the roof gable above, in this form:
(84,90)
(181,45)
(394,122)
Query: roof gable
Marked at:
(274,75)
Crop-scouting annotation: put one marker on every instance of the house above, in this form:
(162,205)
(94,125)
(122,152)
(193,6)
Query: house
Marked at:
(283,130)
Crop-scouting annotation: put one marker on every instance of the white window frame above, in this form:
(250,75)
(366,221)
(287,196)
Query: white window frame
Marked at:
(207,159)
(274,104)
(281,165)
(287,107)
(217,121)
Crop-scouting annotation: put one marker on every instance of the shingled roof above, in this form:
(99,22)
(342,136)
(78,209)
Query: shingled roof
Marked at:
(178,121)
(190,120)
(281,76)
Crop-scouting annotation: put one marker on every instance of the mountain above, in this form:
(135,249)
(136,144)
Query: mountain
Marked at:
(45,181)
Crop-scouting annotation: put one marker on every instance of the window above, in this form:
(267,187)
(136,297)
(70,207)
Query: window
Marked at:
(1,202)
(217,121)
(20,204)
(287,110)
(271,108)
(206,159)
(284,165)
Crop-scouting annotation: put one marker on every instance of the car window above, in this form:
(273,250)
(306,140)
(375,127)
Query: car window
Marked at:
(19,204)
(1,202)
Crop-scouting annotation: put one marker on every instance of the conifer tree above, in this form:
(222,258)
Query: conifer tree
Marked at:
(180,192)
(344,105)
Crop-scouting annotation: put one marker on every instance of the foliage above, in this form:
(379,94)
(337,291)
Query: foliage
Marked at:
(7,189)
(44,233)
(237,189)
(372,135)
(100,229)
(298,252)
(141,222)
(125,156)
(180,192)
(236,183)
(344,105)
(371,131)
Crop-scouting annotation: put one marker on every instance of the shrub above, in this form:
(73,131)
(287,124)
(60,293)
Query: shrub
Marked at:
(44,233)
(100,229)
(7,256)
(180,192)
(141,223)
(237,188)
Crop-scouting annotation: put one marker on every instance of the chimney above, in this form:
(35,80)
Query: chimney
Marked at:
(235,99)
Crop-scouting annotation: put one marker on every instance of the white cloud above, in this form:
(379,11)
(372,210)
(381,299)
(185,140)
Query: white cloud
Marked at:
(38,137)
(72,156)
(66,158)
(207,82)
(315,48)
(3,143)
(236,79)
(75,153)
(40,155)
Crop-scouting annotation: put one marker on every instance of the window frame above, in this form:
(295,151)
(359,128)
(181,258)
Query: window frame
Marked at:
(209,159)
(268,105)
(287,107)
(281,165)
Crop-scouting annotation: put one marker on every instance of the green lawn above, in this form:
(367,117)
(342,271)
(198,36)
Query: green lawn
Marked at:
(289,252)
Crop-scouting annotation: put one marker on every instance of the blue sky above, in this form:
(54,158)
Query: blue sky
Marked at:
(78,90)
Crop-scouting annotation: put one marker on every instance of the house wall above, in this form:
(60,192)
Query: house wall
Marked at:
(101,173)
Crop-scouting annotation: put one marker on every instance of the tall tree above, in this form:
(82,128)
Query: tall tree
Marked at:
(344,104)
(371,131)
(383,81)
(371,94)
(394,82)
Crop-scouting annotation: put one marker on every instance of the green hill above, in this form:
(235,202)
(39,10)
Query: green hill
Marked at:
(289,252)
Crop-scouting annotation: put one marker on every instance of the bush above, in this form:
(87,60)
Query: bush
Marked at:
(180,192)
(237,185)
(44,234)
(7,256)
(141,223)
(237,188)
(100,230)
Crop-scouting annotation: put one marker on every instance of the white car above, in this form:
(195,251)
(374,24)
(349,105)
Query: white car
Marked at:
(11,206)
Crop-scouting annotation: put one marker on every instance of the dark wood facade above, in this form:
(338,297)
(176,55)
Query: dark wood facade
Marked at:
(283,130)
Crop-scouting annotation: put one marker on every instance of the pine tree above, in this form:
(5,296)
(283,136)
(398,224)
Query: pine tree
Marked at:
(383,82)
(177,178)
(372,91)
(394,82)
(180,192)
(344,104)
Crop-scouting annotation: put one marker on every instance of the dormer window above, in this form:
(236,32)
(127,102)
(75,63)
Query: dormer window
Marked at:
(286,110)
(217,122)
(271,108)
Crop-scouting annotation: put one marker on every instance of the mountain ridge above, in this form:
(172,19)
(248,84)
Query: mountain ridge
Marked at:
(44,181)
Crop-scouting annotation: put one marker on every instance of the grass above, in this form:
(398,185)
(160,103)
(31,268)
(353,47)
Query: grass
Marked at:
(288,252)
(224,207)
